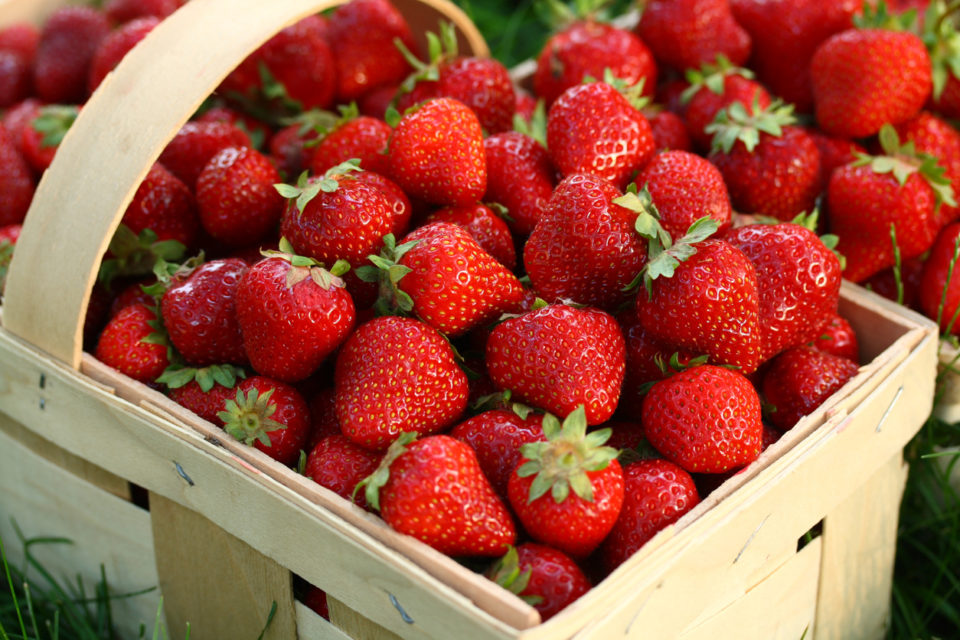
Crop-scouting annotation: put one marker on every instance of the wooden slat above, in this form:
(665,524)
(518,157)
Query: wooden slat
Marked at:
(355,625)
(312,626)
(32,11)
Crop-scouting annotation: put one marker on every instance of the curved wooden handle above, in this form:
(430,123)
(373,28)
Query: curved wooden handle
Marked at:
(119,135)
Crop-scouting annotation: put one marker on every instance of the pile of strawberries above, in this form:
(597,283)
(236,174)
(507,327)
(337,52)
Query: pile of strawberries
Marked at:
(535,327)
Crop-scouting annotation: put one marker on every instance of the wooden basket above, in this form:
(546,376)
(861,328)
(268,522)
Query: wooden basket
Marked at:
(230,526)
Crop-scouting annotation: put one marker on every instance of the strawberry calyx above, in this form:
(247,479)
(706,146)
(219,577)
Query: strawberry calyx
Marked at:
(560,464)
(247,418)
(53,121)
(632,92)
(440,49)
(303,267)
(642,451)
(673,365)
(811,222)
(321,122)
(506,573)
(880,17)
(559,15)
(178,375)
(269,102)
(372,484)
(712,76)
(942,39)
(536,126)
(734,123)
(138,254)
(502,400)
(307,188)
(387,271)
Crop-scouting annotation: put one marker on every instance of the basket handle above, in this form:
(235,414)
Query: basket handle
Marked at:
(120,133)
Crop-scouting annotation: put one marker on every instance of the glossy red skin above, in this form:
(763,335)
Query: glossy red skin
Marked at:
(292,411)
(704,105)
(933,281)
(200,314)
(289,331)
(115,46)
(339,464)
(800,379)
(705,419)
(520,176)
(574,526)
(948,103)
(798,279)
(484,85)
(16,183)
(834,152)
(36,151)
(436,154)
(361,36)
(865,78)
(780,177)
(657,493)
(164,204)
(623,435)
(588,48)
(364,138)
(496,437)
(557,358)
(289,151)
(685,188)
(397,374)
(68,41)
(838,338)
(585,247)
(236,198)
(487,228)
(191,148)
(864,204)
(16,78)
(785,35)
(438,494)
(687,33)
(670,132)
(347,224)
(120,11)
(935,136)
(711,305)
(554,576)
(884,282)
(121,347)
(323,416)
(316,599)
(206,404)
(592,128)
(21,38)
(17,118)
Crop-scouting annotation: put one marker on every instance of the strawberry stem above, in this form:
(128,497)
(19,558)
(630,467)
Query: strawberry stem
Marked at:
(375,481)
(248,417)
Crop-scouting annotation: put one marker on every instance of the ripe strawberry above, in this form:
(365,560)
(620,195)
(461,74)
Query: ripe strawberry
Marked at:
(269,415)
(8,239)
(585,369)
(115,46)
(567,492)
(496,437)
(902,288)
(317,316)
(68,42)
(705,419)
(15,78)
(589,48)
(236,198)
(316,599)
(939,290)
(206,404)
(259,131)
(519,176)
(541,576)
(436,153)
(837,338)
(669,132)
(291,149)
(800,379)
(834,153)
(191,148)
(16,183)
(864,78)
(594,128)
(121,11)
(385,370)
(339,465)
(485,226)
(433,489)
(17,118)
(165,205)
(353,136)
(940,35)
(400,205)
(687,33)
(21,38)
(323,416)
(41,138)
(936,137)
(585,248)
(127,345)
(657,493)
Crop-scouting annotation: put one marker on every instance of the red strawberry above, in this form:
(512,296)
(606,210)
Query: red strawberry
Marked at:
(585,248)
(193,146)
(545,578)
(21,38)
(41,138)
(657,493)
(17,118)
(837,338)
(567,492)
(436,153)
(669,132)
(15,78)
(936,137)
(317,315)
(384,372)
(714,87)
(557,358)
(291,149)
(206,404)
(259,132)
(800,379)
(686,33)
(269,415)
(8,238)
(323,414)
(165,205)
(16,183)
(433,489)
(115,46)
(236,198)
(902,288)
(834,152)
(120,11)
(939,291)
(519,176)
(126,344)
(594,128)
(339,465)
(487,228)
(68,42)
(355,136)
(316,599)
(705,419)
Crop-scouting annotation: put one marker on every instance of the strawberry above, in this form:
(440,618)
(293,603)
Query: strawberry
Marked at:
(705,419)
(940,35)
(68,42)
(837,338)
(939,291)
(166,206)
(541,576)
(353,136)
(128,344)
(433,489)
(383,373)
(567,492)
(259,131)
(339,465)
(205,403)
(496,437)
(487,228)
(19,117)
(236,198)
(520,177)
(115,46)
(800,379)
(15,78)
(41,138)
(318,314)
(657,493)
(120,11)
(291,149)
(436,153)
(669,132)
(9,234)
(16,183)
(269,415)
(900,285)
(585,248)
(936,137)
(323,416)
(834,153)
(588,48)
(594,128)
(559,357)
(195,143)
(687,33)
(21,38)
